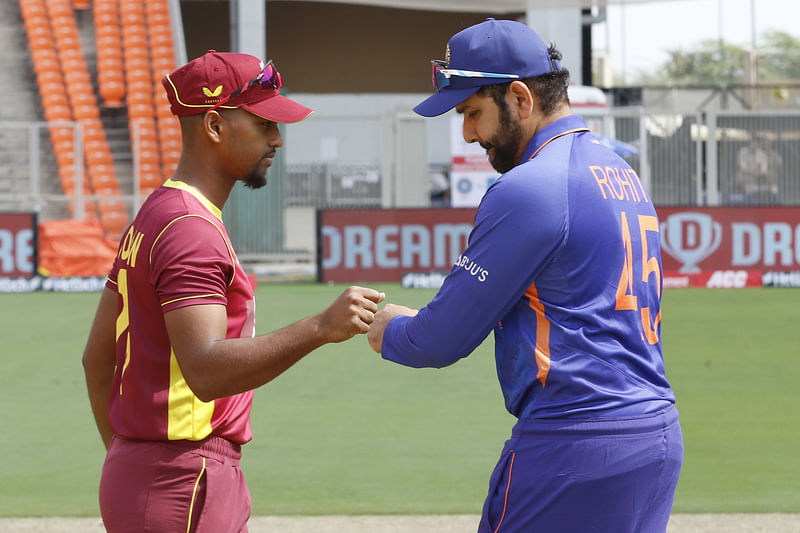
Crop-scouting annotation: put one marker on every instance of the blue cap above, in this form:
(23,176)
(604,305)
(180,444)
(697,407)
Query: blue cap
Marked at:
(493,46)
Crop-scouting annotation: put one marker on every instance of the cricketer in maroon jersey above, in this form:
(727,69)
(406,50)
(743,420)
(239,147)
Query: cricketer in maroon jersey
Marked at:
(172,359)
(178,246)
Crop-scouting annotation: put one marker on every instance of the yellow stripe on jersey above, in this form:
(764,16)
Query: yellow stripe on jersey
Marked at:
(194,495)
(123,321)
(188,417)
(192,297)
(194,191)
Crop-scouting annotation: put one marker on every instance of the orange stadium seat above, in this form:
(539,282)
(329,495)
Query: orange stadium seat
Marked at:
(57,113)
(156,6)
(139,111)
(98,170)
(51,98)
(80,4)
(135,39)
(162,66)
(95,145)
(71,76)
(86,111)
(111,201)
(60,134)
(157,18)
(56,9)
(80,91)
(105,182)
(32,9)
(112,91)
(42,42)
(114,223)
(105,6)
(139,97)
(63,24)
(99,158)
(145,125)
(138,75)
(44,54)
(106,31)
(161,39)
(150,181)
(131,18)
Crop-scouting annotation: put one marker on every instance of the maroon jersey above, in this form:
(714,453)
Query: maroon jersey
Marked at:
(176,253)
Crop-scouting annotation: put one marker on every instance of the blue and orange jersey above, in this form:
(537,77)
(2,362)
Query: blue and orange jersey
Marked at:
(564,265)
(176,253)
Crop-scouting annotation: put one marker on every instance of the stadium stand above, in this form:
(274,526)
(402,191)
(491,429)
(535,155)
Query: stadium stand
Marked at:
(98,65)
(65,87)
(134,50)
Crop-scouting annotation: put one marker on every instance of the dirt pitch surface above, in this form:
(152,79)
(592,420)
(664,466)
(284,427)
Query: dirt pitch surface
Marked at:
(685,523)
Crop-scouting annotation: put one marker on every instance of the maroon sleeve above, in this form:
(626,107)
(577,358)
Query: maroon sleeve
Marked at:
(191,263)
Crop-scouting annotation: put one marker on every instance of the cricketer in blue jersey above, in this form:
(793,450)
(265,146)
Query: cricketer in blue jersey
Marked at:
(564,266)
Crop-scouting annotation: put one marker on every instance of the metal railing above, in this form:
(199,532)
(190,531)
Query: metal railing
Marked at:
(683,159)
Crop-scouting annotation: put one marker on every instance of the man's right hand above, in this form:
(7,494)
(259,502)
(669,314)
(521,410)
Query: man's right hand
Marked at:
(351,313)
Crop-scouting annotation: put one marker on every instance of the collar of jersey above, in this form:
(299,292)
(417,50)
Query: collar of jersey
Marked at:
(196,193)
(568,124)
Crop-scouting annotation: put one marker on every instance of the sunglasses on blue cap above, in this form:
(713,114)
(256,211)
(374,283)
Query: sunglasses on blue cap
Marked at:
(441,74)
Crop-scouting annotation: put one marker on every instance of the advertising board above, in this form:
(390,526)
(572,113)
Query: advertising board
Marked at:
(721,247)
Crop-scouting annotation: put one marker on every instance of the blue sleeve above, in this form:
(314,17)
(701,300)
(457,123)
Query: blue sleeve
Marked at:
(520,226)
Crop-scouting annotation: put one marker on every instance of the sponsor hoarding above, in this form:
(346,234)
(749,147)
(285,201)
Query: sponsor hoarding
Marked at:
(730,238)
(722,247)
(729,247)
(17,245)
(384,244)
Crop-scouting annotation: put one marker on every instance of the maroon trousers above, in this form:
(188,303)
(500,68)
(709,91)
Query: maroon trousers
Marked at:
(174,486)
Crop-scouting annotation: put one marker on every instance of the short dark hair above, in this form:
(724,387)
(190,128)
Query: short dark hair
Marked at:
(550,89)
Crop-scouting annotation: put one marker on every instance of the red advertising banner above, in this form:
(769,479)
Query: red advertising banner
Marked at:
(384,244)
(17,245)
(729,247)
(724,247)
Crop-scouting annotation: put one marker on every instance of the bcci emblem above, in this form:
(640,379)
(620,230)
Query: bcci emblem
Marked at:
(690,238)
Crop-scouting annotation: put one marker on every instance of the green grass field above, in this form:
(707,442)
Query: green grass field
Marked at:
(344,432)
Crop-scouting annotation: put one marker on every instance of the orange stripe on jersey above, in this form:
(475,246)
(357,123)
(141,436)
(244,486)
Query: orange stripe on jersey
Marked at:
(508,487)
(542,335)
(548,141)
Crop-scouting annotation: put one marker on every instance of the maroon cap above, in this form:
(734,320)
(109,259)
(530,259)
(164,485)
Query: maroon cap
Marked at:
(201,83)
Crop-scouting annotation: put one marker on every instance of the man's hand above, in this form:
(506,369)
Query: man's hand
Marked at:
(382,318)
(351,313)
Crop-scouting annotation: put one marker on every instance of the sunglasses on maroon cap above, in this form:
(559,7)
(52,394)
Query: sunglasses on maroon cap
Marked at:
(268,79)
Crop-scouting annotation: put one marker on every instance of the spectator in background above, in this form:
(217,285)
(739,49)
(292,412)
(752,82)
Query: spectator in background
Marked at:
(440,189)
(758,171)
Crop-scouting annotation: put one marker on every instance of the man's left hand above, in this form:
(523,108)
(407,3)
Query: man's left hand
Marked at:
(382,318)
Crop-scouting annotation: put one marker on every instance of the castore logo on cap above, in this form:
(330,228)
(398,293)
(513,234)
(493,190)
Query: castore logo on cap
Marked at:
(212,94)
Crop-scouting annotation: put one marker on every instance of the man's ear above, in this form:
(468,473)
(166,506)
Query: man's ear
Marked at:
(213,126)
(521,99)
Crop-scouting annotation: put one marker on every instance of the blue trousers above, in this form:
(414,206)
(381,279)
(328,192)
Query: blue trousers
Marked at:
(603,475)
